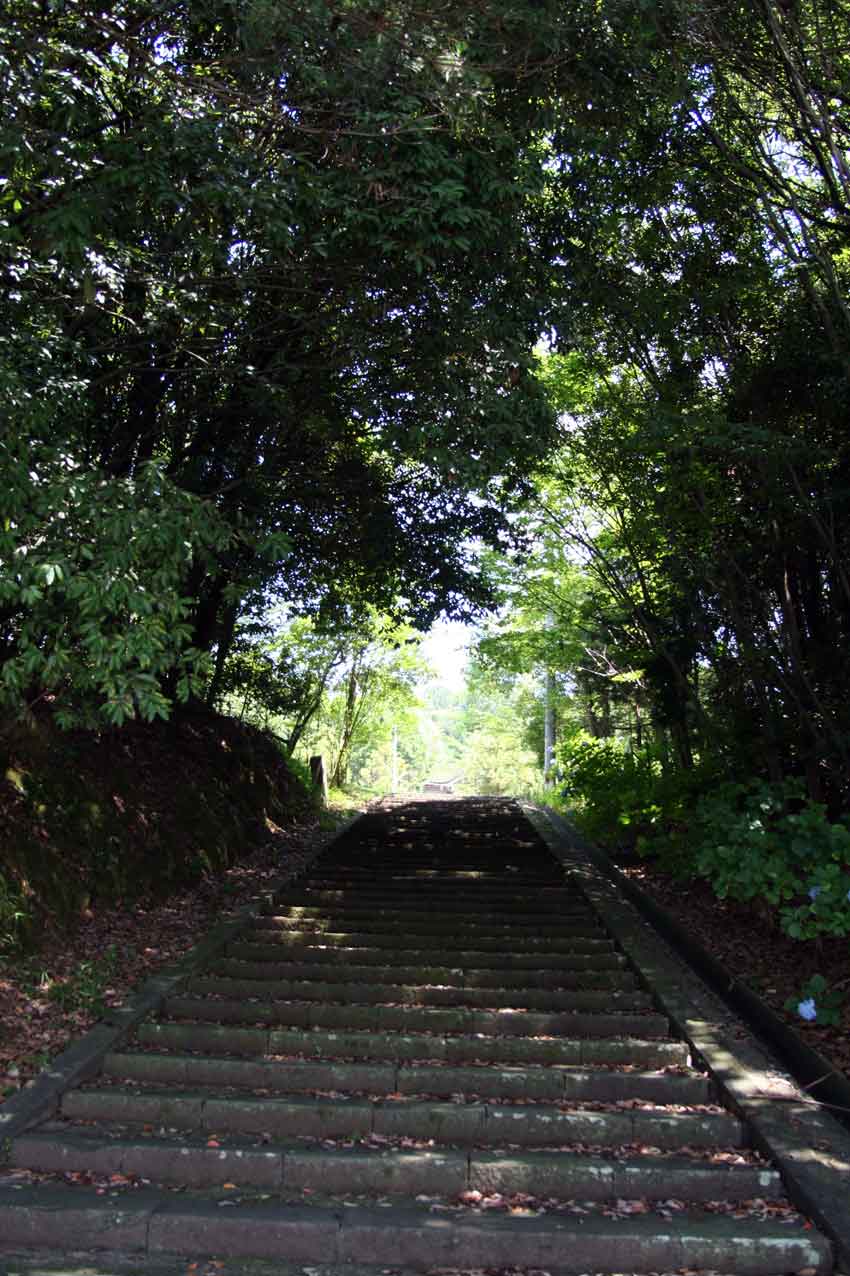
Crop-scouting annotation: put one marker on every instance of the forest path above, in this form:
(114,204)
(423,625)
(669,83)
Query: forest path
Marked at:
(437,1049)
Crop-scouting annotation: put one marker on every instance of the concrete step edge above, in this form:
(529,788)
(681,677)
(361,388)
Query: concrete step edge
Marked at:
(572,959)
(91,1263)
(491,1081)
(390,942)
(362,1044)
(513,912)
(397,918)
(460,1124)
(310,1014)
(425,995)
(159,1223)
(191,1161)
(499,980)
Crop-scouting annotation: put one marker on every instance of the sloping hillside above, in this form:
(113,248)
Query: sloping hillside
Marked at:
(117,851)
(90,819)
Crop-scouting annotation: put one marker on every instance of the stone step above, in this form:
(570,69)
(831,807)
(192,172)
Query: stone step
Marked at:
(553,1083)
(617,980)
(508,902)
(462,1124)
(546,999)
(473,925)
(522,1023)
(320,903)
(480,864)
(358,1044)
(524,849)
(454,856)
(91,1263)
(324,1097)
(61,1148)
(147,1222)
(493,855)
(455,863)
(583,955)
(590,1178)
(526,945)
(433,884)
(465,853)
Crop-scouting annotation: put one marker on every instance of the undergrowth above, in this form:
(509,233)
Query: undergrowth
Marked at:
(752,841)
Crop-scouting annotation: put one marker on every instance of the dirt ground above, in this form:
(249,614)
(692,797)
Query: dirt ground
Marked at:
(49,997)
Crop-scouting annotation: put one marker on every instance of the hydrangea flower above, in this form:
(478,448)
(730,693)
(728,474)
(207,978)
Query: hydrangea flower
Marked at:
(807,1009)
(814,891)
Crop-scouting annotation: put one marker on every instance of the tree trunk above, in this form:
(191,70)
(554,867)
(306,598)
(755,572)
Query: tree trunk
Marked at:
(349,719)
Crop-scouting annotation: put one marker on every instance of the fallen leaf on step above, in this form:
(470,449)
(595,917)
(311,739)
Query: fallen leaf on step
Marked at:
(632,1207)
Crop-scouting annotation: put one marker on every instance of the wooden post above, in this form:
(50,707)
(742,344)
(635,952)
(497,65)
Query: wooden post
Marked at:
(317,775)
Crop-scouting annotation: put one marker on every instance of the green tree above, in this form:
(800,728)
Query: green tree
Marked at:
(697,210)
(237,241)
(93,602)
(375,690)
(280,676)
(495,757)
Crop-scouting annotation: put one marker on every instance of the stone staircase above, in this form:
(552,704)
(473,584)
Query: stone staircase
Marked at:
(426,1055)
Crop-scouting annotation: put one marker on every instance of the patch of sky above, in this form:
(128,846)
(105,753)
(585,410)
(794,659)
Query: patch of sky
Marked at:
(446,648)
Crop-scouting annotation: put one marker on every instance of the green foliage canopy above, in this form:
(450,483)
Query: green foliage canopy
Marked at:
(283,252)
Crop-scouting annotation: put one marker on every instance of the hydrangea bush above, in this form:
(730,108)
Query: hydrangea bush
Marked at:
(765,841)
(818,1004)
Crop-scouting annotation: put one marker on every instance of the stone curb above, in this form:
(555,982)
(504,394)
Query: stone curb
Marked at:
(809,1147)
(84,1057)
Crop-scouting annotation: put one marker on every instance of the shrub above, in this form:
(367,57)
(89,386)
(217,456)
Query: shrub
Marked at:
(92,576)
(616,795)
(751,843)
(300,771)
(817,1002)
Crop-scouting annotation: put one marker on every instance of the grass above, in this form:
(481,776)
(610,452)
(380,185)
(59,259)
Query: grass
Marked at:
(540,795)
(81,989)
